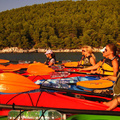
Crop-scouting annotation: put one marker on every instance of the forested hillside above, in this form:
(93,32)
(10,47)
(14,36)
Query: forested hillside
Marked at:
(63,24)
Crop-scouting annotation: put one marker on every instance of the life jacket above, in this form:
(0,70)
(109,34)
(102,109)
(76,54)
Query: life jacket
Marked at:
(48,61)
(86,61)
(116,87)
(106,67)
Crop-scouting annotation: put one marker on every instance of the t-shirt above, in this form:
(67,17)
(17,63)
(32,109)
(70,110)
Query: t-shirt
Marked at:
(52,61)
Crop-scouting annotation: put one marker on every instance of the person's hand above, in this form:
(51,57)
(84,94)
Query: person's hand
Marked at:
(95,72)
(79,69)
(105,78)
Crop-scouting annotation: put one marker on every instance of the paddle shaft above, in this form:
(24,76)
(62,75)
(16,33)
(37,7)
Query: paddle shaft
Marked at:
(74,111)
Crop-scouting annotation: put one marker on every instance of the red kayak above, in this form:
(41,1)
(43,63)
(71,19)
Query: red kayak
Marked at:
(42,100)
(45,77)
(54,75)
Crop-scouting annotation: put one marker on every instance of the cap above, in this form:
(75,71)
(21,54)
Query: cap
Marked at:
(102,50)
(49,52)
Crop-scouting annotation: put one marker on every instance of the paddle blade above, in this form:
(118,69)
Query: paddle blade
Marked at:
(14,83)
(2,67)
(71,64)
(4,61)
(15,67)
(39,69)
(95,84)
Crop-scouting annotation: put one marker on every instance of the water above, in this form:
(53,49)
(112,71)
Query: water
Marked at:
(40,57)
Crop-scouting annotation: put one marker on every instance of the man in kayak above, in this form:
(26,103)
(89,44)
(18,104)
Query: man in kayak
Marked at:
(109,65)
(50,58)
(88,58)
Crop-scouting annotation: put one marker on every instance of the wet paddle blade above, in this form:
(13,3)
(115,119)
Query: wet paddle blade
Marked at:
(39,69)
(14,83)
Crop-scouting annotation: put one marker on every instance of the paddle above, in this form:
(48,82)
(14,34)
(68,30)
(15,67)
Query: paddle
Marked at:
(14,83)
(88,73)
(39,69)
(13,67)
(71,64)
(14,61)
(4,61)
(95,84)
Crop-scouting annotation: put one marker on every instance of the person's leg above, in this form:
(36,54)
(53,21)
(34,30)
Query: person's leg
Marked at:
(112,104)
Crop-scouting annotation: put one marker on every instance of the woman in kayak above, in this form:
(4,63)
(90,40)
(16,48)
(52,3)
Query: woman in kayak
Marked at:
(88,58)
(109,65)
(50,58)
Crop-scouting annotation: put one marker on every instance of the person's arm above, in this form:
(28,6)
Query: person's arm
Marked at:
(92,61)
(45,62)
(113,78)
(92,67)
(115,67)
(52,62)
(79,63)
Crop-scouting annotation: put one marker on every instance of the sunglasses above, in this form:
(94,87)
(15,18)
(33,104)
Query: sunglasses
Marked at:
(83,50)
(105,50)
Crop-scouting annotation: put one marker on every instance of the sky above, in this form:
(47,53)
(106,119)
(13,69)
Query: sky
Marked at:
(12,4)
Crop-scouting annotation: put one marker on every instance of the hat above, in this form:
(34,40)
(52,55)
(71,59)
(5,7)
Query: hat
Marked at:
(102,50)
(49,52)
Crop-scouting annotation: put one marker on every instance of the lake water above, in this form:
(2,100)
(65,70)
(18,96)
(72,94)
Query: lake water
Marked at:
(40,57)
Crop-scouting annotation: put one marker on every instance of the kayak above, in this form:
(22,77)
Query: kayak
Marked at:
(47,100)
(64,82)
(93,117)
(14,95)
(41,69)
(15,83)
(56,75)
(3,117)
(105,70)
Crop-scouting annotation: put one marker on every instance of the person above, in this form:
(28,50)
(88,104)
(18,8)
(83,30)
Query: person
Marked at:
(116,95)
(50,58)
(88,58)
(112,104)
(109,65)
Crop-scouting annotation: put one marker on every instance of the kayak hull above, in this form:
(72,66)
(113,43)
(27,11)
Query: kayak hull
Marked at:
(93,117)
(50,100)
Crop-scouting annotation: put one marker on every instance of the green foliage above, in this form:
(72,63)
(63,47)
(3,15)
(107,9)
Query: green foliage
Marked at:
(64,24)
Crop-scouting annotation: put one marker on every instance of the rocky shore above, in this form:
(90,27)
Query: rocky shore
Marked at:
(19,50)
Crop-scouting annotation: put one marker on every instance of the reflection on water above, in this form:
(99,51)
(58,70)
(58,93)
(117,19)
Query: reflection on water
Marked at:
(73,56)
(35,115)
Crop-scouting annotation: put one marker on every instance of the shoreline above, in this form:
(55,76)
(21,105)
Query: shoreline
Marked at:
(19,50)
